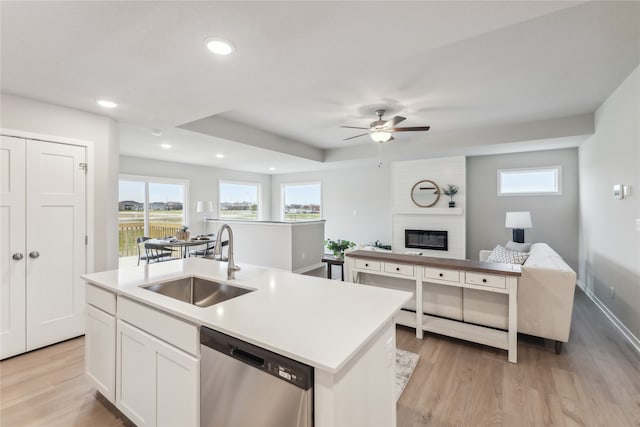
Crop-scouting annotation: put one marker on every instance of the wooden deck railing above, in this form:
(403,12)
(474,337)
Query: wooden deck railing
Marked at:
(128,232)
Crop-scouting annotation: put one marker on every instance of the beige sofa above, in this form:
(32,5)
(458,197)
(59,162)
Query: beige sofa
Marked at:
(545,298)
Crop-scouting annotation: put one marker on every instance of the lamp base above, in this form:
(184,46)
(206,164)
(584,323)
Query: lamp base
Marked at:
(518,235)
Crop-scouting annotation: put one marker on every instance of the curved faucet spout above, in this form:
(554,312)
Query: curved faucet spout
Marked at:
(217,251)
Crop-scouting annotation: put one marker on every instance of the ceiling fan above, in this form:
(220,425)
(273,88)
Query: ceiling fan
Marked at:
(381,130)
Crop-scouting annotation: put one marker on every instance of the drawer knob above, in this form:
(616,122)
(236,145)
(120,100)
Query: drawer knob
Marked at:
(397,268)
(484,280)
(441,274)
(366,265)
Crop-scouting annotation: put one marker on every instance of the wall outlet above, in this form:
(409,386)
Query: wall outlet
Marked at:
(303,255)
(612,292)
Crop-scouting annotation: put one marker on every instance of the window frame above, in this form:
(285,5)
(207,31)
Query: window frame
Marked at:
(283,199)
(558,181)
(257,184)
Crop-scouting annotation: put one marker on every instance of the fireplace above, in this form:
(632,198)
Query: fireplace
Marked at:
(426,239)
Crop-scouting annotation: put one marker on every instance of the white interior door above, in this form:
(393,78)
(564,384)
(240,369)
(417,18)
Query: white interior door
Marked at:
(12,242)
(56,251)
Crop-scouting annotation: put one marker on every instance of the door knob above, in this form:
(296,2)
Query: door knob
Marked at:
(34,254)
(18,256)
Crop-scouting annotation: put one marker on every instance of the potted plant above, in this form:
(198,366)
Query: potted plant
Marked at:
(451,190)
(338,246)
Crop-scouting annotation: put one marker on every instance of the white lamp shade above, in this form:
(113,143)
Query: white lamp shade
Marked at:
(518,220)
(202,206)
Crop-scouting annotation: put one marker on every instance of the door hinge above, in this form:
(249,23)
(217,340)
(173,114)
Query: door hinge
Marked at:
(86,240)
(84,167)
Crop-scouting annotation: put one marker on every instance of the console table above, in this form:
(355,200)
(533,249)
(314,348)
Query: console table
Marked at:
(483,276)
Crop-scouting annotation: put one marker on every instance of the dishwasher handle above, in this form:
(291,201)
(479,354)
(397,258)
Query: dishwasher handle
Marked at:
(246,357)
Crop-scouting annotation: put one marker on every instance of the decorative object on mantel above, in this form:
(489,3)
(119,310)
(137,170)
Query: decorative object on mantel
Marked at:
(378,244)
(451,190)
(338,246)
(620,191)
(183,234)
(425,193)
(518,221)
(405,364)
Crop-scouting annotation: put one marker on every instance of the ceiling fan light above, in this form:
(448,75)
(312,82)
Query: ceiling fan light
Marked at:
(380,136)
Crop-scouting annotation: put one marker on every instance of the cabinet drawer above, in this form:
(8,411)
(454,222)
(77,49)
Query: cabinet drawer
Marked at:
(366,264)
(485,280)
(102,299)
(404,269)
(174,331)
(442,274)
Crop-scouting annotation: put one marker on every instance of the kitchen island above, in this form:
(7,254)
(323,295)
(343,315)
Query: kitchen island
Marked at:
(344,331)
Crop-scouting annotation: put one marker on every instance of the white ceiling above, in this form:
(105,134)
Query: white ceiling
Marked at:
(302,69)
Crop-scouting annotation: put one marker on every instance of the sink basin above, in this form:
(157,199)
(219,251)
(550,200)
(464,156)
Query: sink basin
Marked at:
(197,291)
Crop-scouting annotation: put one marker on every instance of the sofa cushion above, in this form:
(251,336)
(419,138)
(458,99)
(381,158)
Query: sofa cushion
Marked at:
(507,256)
(518,247)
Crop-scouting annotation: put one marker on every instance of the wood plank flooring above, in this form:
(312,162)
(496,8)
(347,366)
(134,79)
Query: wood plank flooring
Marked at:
(594,382)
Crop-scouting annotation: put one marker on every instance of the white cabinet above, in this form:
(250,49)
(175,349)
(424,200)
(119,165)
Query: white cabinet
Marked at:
(157,384)
(42,250)
(144,361)
(100,341)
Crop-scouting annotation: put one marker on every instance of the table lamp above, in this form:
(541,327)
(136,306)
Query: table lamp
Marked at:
(204,207)
(518,221)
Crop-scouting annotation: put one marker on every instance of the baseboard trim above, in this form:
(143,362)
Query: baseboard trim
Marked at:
(633,340)
(308,268)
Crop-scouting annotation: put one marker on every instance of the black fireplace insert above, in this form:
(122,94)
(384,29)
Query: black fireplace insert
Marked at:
(426,239)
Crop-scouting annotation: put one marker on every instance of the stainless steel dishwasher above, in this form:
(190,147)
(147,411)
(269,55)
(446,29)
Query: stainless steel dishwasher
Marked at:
(244,385)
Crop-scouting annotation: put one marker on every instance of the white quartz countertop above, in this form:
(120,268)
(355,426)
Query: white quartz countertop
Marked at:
(320,322)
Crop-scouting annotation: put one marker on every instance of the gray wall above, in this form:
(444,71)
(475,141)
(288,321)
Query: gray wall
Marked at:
(554,218)
(610,244)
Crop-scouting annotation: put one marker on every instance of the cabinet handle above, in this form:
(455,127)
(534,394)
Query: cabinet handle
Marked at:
(441,274)
(397,268)
(17,256)
(366,265)
(34,254)
(484,280)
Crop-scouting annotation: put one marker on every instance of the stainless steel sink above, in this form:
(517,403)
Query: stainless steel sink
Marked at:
(197,291)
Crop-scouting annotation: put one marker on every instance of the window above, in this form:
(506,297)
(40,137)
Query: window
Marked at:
(301,202)
(530,181)
(149,206)
(238,200)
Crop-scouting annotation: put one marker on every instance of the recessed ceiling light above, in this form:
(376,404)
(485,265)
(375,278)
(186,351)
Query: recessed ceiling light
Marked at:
(219,46)
(156,132)
(106,103)
(272,168)
(219,155)
(165,146)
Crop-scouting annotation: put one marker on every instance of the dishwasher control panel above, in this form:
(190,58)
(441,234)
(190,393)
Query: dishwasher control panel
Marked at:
(282,367)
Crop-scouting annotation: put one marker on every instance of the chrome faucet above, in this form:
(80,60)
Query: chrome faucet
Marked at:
(217,251)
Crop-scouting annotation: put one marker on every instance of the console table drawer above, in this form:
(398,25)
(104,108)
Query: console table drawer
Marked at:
(442,274)
(365,264)
(485,280)
(404,269)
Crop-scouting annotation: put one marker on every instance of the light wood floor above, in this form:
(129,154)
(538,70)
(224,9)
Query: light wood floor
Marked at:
(594,382)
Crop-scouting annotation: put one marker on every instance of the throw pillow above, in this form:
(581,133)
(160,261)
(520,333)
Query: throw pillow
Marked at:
(518,247)
(507,256)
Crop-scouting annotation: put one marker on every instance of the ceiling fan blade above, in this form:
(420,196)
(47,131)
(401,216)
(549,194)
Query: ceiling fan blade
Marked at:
(411,129)
(353,127)
(357,136)
(393,121)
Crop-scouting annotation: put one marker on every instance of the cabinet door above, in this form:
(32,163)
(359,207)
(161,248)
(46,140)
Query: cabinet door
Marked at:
(100,351)
(12,241)
(157,384)
(55,242)
(177,387)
